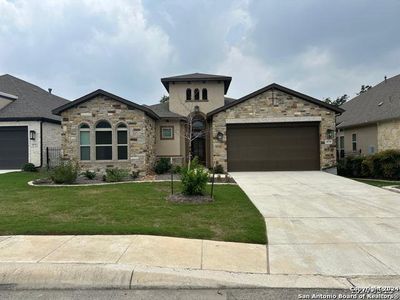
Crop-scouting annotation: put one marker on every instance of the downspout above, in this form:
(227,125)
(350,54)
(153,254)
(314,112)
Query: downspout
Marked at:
(41,144)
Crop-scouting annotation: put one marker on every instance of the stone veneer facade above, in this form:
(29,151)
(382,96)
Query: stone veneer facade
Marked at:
(274,104)
(141,134)
(388,135)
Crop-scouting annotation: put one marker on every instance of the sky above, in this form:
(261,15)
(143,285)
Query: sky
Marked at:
(322,48)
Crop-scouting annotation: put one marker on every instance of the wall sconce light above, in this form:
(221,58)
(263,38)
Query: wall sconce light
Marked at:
(330,134)
(32,135)
(220,136)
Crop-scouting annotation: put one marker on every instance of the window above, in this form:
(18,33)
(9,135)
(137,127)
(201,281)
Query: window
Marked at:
(122,141)
(354,142)
(167,132)
(341,147)
(196,94)
(103,141)
(84,141)
(188,94)
(204,94)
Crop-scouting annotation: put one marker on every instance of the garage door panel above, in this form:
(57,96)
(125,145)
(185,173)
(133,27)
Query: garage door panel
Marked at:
(273,147)
(13,147)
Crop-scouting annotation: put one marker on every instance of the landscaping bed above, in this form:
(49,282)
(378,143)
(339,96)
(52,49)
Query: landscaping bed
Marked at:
(125,209)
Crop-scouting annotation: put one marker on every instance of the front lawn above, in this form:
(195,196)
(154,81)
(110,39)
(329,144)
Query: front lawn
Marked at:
(137,208)
(379,183)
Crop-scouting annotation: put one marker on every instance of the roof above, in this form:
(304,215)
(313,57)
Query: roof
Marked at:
(275,86)
(197,77)
(29,102)
(99,92)
(382,102)
(162,110)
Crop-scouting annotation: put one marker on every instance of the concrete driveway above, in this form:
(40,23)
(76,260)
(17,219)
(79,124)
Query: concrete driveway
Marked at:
(318,223)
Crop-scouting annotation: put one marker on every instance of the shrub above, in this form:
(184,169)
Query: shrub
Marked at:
(29,167)
(89,174)
(115,175)
(66,173)
(162,166)
(194,180)
(176,169)
(383,165)
(135,174)
(219,169)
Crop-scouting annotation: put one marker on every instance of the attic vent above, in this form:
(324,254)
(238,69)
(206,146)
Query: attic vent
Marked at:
(380,103)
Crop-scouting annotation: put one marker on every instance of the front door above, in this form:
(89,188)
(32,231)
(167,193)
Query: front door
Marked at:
(199,149)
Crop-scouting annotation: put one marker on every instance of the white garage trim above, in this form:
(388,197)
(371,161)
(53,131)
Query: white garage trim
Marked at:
(274,120)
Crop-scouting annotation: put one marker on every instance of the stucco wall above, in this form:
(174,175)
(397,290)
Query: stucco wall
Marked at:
(173,149)
(388,135)
(177,97)
(366,139)
(284,106)
(51,138)
(4,102)
(33,145)
(141,131)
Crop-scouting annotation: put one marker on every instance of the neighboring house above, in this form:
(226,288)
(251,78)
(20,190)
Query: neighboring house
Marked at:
(273,128)
(27,125)
(371,121)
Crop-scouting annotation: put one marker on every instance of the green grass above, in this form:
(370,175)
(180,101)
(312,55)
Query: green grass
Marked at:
(378,183)
(125,209)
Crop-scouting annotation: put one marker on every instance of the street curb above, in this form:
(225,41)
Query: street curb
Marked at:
(30,276)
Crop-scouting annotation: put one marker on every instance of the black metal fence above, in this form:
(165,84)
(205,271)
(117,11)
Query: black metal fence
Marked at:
(53,157)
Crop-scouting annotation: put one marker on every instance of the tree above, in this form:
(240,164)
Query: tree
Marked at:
(364,88)
(164,99)
(339,100)
(188,134)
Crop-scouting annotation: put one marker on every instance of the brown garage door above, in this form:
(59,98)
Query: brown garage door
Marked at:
(273,147)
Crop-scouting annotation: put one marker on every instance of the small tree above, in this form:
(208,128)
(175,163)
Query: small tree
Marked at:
(364,88)
(164,99)
(339,100)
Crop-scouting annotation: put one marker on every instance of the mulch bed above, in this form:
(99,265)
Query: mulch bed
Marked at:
(198,199)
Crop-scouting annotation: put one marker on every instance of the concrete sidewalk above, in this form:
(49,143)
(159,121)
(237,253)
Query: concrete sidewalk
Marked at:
(138,250)
(136,261)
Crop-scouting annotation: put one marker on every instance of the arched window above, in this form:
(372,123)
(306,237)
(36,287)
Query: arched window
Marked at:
(188,94)
(196,94)
(84,141)
(103,141)
(122,141)
(204,94)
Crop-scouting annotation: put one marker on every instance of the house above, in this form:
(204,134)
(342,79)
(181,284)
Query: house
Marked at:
(371,121)
(273,128)
(27,125)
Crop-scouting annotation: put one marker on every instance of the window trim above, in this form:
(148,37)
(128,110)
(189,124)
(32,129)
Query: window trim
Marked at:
(204,91)
(188,94)
(167,127)
(103,145)
(198,94)
(354,142)
(90,141)
(118,128)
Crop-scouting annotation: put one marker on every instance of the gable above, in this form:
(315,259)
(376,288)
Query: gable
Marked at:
(107,95)
(278,88)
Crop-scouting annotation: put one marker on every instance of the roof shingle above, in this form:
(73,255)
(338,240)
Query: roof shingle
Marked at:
(382,102)
(33,102)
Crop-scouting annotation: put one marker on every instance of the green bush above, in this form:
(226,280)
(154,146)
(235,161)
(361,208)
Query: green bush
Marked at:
(382,165)
(176,169)
(219,169)
(194,180)
(29,167)
(162,166)
(89,174)
(115,175)
(66,173)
